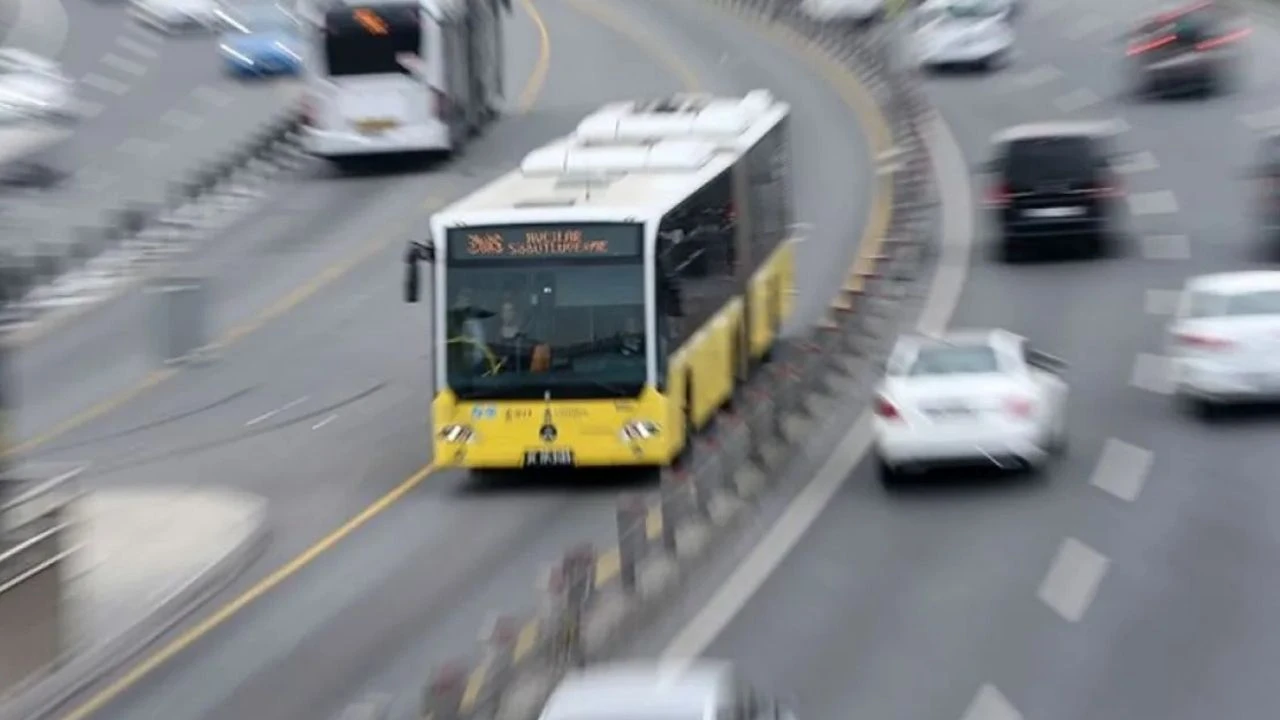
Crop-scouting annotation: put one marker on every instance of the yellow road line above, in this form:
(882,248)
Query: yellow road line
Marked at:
(525,640)
(475,683)
(151,663)
(528,99)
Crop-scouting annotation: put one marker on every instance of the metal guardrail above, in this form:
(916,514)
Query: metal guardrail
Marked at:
(591,598)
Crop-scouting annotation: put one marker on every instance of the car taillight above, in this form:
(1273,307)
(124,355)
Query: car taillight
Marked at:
(998,195)
(1223,40)
(886,410)
(1201,342)
(1149,45)
(1019,407)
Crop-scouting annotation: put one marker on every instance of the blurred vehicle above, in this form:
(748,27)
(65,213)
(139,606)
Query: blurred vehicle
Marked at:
(1189,49)
(968,398)
(403,77)
(626,691)
(33,87)
(961,33)
(32,153)
(1224,340)
(261,39)
(861,12)
(176,16)
(1266,176)
(1053,187)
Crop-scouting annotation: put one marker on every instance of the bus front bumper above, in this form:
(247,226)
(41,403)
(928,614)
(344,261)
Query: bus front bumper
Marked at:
(428,137)
(595,455)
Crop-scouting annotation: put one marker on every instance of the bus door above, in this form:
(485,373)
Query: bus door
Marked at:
(456,71)
(373,58)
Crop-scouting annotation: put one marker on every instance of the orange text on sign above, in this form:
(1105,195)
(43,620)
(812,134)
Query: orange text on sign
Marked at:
(370,21)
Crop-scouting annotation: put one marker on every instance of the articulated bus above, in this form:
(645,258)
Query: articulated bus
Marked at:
(406,76)
(598,305)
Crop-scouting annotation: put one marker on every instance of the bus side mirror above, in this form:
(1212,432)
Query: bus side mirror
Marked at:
(416,253)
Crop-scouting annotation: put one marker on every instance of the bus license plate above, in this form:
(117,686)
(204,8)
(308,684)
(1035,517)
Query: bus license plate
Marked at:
(548,458)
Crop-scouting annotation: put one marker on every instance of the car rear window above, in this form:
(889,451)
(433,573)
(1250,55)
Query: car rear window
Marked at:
(1049,159)
(955,360)
(1209,305)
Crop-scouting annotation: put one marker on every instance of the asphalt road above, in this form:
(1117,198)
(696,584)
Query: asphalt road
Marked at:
(324,408)
(153,107)
(1136,580)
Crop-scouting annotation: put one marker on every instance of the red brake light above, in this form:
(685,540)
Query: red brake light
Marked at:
(1020,407)
(1201,342)
(1228,38)
(1148,46)
(885,409)
(998,195)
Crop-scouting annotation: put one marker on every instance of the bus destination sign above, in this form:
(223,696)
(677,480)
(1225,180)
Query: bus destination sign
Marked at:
(537,242)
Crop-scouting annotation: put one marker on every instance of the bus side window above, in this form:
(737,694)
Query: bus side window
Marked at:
(768,164)
(695,237)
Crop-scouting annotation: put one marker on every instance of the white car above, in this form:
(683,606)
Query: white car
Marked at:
(1224,340)
(175,16)
(627,691)
(961,33)
(33,87)
(859,11)
(975,397)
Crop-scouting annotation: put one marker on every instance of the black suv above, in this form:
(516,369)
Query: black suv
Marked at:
(1191,49)
(1053,189)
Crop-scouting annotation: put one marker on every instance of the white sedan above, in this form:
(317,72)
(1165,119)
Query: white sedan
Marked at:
(632,690)
(33,87)
(961,32)
(1224,340)
(968,398)
(174,16)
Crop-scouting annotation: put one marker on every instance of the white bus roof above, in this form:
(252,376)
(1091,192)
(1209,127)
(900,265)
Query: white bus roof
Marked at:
(720,119)
(599,180)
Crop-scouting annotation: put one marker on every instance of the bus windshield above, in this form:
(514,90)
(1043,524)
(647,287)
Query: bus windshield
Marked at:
(371,39)
(534,311)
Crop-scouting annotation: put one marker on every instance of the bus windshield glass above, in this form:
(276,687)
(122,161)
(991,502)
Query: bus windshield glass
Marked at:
(371,39)
(546,309)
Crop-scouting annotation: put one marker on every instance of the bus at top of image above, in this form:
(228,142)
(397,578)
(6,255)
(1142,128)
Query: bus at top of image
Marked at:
(598,305)
(394,78)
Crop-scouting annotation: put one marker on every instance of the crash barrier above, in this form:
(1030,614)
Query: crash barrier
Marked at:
(592,598)
(34,548)
(156,229)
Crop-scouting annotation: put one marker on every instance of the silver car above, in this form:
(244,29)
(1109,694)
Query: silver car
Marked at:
(177,16)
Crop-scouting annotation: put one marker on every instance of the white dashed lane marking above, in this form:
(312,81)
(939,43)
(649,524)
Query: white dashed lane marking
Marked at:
(1264,120)
(990,704)
(1073,579)
(1157,202)
(124,65)
(105,84)
(1139,162)
(211,96)
(1162,302)
(132,45)
(1166,247)
(1122,469)
(272,413)
(1151,373)
(181,119)
(1077,100)
(1035,77)
(324,422)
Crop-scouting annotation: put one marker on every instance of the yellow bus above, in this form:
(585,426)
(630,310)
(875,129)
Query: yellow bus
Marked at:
(599,304)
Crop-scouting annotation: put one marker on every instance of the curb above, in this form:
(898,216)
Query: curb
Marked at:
(42,697)
(591,600)
(35,284)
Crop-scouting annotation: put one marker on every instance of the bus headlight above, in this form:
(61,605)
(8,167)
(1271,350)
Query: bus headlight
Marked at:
(457,433)
(639,430)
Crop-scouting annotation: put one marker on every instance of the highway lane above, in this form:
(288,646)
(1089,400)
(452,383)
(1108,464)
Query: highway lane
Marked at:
(412,587)
(152,108)
(1130,582)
